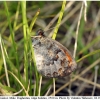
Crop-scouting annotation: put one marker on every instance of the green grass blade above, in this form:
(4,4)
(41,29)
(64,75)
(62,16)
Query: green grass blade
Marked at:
(59,20)
(12,38)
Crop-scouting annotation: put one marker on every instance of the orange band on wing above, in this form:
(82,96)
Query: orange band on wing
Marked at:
(69,57)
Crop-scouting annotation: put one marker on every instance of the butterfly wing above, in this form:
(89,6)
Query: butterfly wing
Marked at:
(52,58)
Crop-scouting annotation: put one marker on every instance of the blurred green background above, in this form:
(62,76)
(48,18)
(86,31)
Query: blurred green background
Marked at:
(18,74)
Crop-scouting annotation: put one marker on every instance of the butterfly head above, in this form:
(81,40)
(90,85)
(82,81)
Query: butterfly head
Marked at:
(40,32)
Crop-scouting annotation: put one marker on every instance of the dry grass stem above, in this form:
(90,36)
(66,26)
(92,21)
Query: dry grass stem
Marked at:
(4,60)
(76,39)
(47,93)
(95,79)
(40,85)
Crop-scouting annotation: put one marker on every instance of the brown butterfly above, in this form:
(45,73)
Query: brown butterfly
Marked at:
(52,58)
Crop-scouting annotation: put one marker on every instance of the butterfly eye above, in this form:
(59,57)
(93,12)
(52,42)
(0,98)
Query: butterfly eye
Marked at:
(40,32)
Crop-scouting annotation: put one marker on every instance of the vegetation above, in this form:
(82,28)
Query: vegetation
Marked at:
(76,25)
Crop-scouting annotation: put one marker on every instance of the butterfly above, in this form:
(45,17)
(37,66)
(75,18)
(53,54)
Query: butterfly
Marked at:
(53,60)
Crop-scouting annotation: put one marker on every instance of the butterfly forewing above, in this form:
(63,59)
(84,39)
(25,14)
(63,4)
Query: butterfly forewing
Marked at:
(52,58)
